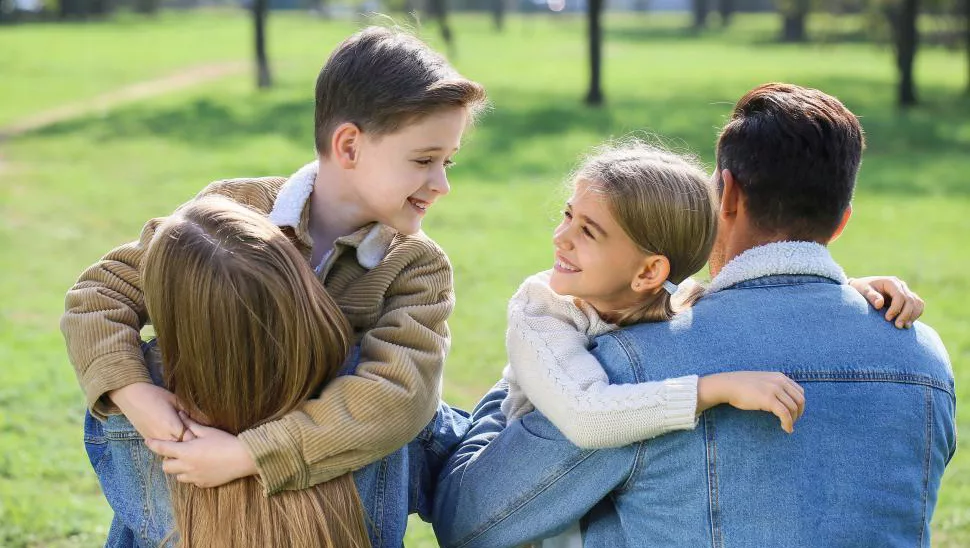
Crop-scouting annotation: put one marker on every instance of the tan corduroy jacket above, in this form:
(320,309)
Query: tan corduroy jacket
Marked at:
(398,305)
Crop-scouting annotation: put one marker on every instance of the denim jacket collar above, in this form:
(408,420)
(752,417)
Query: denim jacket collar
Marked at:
(292,209)
(779,258)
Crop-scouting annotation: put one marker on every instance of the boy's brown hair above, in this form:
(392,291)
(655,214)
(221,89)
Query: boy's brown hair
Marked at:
(382,79)
(794,153)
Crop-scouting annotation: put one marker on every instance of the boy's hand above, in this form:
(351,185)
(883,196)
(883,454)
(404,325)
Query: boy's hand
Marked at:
(905,306)
(152,410)
(754,391)
(210,458)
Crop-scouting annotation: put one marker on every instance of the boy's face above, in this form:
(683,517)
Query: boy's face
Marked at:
(400,175)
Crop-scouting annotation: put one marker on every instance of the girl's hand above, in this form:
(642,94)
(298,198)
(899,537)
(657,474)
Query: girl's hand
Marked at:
(905,306)
(210,459)
(152,410)
(754,391)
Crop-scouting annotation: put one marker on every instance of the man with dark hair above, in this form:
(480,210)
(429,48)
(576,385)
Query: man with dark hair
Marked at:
(865,462)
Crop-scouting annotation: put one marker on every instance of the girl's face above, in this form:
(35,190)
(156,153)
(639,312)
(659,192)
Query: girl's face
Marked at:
(595,259)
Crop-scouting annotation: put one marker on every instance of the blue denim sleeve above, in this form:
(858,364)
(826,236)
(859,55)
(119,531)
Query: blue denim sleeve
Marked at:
(503,480)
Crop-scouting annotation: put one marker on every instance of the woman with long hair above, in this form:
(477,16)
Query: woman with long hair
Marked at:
(246,333)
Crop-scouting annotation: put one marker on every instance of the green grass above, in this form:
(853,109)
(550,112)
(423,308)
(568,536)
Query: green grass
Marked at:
(73,190)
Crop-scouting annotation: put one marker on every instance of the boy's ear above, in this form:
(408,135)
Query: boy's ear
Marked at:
(345,145)
(653,272)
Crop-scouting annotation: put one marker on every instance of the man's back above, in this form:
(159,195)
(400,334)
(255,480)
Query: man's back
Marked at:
(864,464)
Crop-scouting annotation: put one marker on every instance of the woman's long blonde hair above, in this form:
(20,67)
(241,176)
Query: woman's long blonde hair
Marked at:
(667,205)
(246,334)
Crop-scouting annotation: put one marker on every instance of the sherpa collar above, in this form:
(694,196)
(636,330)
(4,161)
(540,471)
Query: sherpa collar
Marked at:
(798,258)
(291,209)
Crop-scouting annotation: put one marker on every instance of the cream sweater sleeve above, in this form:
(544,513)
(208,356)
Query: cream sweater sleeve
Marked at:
(547,340)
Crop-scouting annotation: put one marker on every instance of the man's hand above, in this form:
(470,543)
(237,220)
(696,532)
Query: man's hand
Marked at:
(152,410)
(905,306)
(754,391)
(210,458)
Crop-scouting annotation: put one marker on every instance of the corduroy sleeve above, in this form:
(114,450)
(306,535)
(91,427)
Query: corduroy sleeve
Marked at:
(105,309)
(394,392)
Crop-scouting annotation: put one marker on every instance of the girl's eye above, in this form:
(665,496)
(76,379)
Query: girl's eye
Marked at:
(567,215)
(587,232)
(423,161)
(449,163)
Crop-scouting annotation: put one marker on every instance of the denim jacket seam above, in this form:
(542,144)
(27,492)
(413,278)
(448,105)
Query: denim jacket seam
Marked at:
(637,460)
(630,351)
(926,459)
(863,376)
(522,500)
(713,493)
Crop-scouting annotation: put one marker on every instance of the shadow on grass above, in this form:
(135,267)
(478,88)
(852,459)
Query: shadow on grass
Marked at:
(530,135)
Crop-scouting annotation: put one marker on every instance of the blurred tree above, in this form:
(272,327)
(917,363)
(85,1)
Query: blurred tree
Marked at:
(726,9)
(701,8)
(594,11)
(260,9)
(902,16)
(146,7)
(794,16)
(439,11)
(966,37)
(498,14)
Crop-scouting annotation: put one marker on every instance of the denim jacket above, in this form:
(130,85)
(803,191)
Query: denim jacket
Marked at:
(390,489)
(863,467)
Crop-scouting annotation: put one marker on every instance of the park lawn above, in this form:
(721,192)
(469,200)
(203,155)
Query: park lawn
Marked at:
(71,191)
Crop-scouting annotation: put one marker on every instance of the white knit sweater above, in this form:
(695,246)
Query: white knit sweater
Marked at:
(551,368)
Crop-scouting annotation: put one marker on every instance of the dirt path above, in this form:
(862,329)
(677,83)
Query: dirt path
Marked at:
(128,94)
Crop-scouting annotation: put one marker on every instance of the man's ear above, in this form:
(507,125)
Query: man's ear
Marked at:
(345,145)
(845,220)
(730,196)
(652,274)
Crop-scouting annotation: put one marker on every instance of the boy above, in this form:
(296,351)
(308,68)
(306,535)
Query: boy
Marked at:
(390,113)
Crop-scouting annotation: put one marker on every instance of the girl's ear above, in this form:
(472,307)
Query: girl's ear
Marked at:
(652,274)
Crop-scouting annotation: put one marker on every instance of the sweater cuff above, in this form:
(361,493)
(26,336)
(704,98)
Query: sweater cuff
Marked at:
(278,457)
(111,372)
(681,409)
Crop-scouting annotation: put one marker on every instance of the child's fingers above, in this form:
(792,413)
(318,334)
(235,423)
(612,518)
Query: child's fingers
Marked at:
(174,467)
(874,297)
(895,307)
(167,449)
(790,404)
(906,315)
(781,411)
(797,394)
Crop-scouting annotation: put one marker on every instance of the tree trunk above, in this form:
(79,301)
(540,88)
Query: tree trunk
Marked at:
(263,78)
(966,22)
(726,7)
(903,21)
(593,12)
(498,14)
(146,7)
(72,9)
(793,27)
(439,10)
(701,9)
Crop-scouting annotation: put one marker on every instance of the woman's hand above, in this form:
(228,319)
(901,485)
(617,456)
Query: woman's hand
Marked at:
(208,458)
(152,410)
(905,306)
(754,391)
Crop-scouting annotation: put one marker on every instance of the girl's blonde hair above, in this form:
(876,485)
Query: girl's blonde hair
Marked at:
(667,205)
(246,334)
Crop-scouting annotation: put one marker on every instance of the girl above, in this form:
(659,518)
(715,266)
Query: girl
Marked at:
(246,334)
(639,222)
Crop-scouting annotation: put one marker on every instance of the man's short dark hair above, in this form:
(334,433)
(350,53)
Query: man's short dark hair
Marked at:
(794,153)
(382,79)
